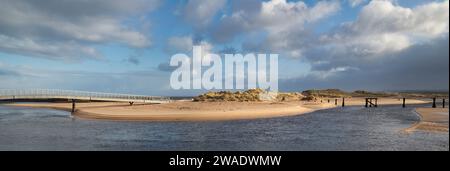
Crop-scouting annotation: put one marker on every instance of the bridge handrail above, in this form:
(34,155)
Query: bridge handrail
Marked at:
(75,93)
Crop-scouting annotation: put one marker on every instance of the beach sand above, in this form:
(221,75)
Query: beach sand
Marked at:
(431,119)
(184,111)
(202,111)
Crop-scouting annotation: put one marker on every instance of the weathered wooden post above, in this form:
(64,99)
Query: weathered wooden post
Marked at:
(443,103)
(73,105)
(404,105)
(376,102)
(335,102)
(343,101)
(367,102)
(434,102)
(329,100)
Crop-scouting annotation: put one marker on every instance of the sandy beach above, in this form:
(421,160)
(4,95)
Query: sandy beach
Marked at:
(184,111)
(431,119)
(202,111)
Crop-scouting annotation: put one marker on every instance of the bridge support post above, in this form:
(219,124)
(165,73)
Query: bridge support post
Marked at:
(434,102)
(73,105)
(404,105)
(370,102)
(343,102)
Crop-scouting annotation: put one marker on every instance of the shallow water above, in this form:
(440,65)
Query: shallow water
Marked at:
(349,128)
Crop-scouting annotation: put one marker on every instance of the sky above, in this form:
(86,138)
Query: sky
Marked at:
(125,46)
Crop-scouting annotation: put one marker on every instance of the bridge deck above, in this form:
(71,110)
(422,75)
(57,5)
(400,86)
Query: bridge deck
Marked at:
(78,95)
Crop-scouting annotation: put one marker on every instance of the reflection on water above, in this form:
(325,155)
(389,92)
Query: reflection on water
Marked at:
(350,128)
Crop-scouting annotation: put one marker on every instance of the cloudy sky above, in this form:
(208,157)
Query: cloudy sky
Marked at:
(125,46)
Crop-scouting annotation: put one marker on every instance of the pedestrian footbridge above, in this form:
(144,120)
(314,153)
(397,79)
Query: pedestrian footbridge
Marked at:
(43,94)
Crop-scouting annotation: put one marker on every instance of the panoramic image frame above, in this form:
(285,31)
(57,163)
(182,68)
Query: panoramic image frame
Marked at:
(224,75)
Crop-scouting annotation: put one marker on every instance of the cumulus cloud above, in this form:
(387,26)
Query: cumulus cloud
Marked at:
(388,47)
(418,67)
(183,43)
(68,29)
(381,29)
(284,23)
(50,50)
(200,13)
(429,20)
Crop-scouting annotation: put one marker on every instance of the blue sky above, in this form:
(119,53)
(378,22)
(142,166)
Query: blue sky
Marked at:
(118,46)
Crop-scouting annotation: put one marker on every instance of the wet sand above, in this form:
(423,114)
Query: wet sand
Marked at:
(202,111)
(432,120)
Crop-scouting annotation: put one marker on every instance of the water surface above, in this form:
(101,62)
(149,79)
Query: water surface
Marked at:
(349,128)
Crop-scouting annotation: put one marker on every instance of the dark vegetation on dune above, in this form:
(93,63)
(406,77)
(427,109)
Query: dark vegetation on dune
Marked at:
(254,95)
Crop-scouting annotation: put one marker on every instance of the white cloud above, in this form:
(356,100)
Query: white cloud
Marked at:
(66,51)
(183,43)
(280,15)
(332,72)
(284,22)
(200,12)
(418,67)
(287,33)
(51,28)
(383,27)
(427,20)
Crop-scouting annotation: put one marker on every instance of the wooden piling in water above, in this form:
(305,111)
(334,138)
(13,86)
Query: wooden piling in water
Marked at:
(404,105)
(434,102)
(73,105)
(443,103)
(335,102)
(343,102)
(370,103)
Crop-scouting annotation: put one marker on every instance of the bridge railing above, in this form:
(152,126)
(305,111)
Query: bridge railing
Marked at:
(74,93)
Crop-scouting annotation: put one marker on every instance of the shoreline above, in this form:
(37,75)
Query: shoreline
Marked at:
(431,120)
(182,111)
(194,117)
(200,111)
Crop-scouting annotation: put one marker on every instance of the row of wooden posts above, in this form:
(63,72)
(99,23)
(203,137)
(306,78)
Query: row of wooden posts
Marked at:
(373,102)
(370,102)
